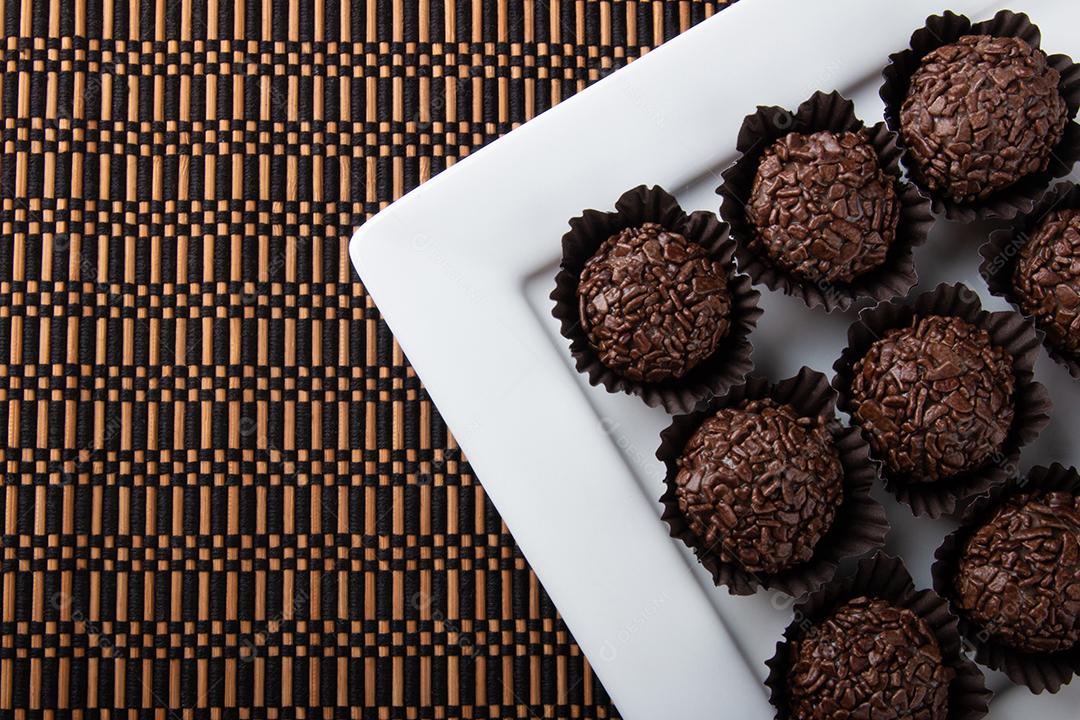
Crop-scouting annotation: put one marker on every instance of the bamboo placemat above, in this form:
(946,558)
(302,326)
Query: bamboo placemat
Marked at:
(225,492)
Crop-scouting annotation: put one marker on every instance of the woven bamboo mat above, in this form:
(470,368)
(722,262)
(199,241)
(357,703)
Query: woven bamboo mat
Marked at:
(225,492)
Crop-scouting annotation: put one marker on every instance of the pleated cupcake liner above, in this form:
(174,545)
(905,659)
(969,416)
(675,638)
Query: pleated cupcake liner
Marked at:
(1039,672)
(1001,252)
(729,363)
(946,29)
(1007,330)
(832,112)
(860,524)
(883,577)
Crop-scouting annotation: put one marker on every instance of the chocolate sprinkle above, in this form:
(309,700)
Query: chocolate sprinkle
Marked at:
(653,304)
(980,114)
(1019,574)
(869,659)
(822,206)
(935,398)
(1047,278)
(759,485)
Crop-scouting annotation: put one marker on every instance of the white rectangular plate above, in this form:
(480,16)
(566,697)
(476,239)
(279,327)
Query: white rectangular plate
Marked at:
(461,269)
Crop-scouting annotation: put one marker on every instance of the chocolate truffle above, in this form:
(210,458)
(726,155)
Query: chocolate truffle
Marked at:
(1019,574)
(1047,278)
(759,485)
(869,659)
(822,207)
(653,304)
(934,398)
(980,114)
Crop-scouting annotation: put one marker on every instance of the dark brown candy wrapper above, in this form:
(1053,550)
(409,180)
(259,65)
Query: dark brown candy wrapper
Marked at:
(1002,253)
(857,220)
(1019,196)
(727,365)
(859,524)
(1040,671)
(882,578)
(1030,401)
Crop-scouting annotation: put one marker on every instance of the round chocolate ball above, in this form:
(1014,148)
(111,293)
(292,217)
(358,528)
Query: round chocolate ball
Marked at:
(869,659)
(822,207)
(1047,278)
(653,304)
(1019,574)
(934,398)
(759,485)
(980,114)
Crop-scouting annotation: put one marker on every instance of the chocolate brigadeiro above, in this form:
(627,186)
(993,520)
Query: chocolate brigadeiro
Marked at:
(822,207)
(818,207)
(760,485)
(768,488)
(653,304)
(983,113)
(944,393)
(1012,574)
(935,397)
(1019,573)
(980,114)
(875,638)
(649,297)
(871,646)
(1035,265)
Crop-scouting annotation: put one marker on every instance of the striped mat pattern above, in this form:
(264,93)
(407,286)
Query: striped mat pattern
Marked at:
(225,492)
